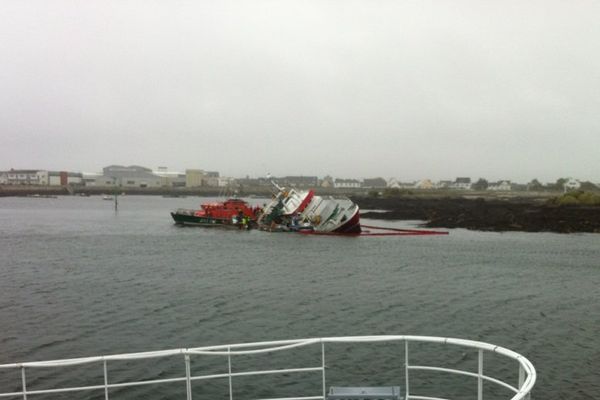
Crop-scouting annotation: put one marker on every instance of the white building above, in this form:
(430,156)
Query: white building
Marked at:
(500,186)
(571,184)
(170,178)
(24,177)
(347,183)
(224,181)
(54,179)
(425,184)
(327,182)
(63,178)
(461,184)
(43,178)
(393,183)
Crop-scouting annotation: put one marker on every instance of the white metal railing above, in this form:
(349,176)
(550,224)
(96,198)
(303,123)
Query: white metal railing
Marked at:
(526,380)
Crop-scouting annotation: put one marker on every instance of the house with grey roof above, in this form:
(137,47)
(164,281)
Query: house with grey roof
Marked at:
(374,183)
(461,183)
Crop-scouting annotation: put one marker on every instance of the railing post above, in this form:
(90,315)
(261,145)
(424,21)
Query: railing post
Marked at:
(480,376)
(406,369)
(323,366)
(522,380)
(105,380)
(188,381)
(229,368)
(23,380)
(521,376)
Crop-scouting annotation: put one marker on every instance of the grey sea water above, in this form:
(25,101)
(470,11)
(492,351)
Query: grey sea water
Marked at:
(78,279)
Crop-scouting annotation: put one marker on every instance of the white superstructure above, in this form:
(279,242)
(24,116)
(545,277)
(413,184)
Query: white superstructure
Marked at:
(323,213)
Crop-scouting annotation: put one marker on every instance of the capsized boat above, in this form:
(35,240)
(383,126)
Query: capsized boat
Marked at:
(303,211)
(233,213)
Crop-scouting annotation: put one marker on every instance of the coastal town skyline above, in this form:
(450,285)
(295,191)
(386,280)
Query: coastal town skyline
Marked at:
(545,178)
(141,176)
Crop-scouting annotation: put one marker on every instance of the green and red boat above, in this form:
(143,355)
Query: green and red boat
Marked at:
(232,213)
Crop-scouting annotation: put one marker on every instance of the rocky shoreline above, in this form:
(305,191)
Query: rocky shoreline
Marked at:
(517,214)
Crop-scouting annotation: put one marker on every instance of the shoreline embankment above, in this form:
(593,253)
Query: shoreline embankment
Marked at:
(498,215)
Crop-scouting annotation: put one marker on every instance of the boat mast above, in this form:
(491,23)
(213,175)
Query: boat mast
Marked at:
(274,183)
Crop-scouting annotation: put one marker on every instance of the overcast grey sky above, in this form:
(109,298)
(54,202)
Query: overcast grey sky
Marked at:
(405,89)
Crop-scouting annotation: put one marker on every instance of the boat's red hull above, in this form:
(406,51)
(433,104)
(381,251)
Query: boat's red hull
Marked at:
(350,226)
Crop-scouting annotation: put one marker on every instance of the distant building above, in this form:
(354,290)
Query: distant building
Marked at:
(40,177)
(225,181)
(393,183)
(461,184)
(518,187)
(443,185)
(170,178)
(199,177)
(44,178)
(374,183)
(347,183)
(254,182)
(425,184)
(96,179)
(327,182)
(571,184)
(299,181)
(287,181)
(102,180)
(194,177)
(64,178)
(131,176)
(211,178)
(500,186)
(24,177)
